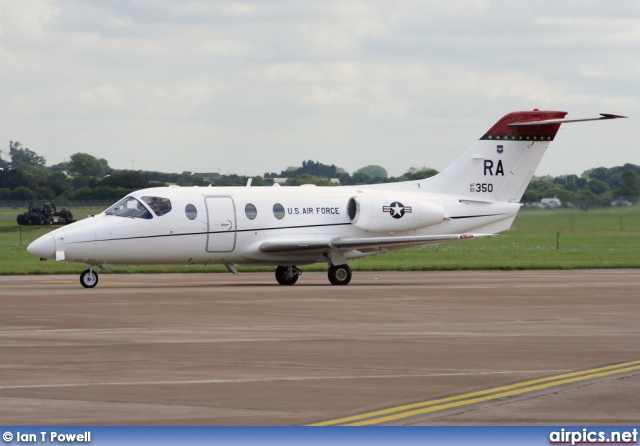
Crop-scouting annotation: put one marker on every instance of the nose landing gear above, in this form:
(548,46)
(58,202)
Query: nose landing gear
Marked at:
(89,278)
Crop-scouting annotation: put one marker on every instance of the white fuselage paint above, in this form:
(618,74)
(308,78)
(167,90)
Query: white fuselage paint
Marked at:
(221,232)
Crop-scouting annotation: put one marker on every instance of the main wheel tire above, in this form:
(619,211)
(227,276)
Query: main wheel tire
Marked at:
(287,275)
(339,274)
(88,278)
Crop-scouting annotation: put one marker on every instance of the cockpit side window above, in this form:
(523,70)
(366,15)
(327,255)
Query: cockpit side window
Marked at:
(160,206)
(129,207)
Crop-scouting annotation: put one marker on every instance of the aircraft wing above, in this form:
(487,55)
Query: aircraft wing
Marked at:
(364,243)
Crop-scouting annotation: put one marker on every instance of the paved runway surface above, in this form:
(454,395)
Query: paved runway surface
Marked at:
(432,348)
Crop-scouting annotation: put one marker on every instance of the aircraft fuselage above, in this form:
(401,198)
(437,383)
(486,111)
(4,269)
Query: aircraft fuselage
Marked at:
(228,225)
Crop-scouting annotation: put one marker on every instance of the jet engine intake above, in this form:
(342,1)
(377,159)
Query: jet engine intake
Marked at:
(382,213)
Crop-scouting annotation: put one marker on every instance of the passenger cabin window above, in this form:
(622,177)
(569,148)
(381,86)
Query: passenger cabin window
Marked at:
(190,211)
(129,207)
(250,211)
(278,211)
(160,206)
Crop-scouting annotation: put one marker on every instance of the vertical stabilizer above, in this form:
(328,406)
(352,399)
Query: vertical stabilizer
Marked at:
(501,163)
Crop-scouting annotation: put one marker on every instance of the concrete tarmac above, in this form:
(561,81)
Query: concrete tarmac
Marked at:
(218,349)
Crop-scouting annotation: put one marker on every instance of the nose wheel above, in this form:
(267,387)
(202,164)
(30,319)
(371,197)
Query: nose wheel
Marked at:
(89,278)
(339,274)
(287,275)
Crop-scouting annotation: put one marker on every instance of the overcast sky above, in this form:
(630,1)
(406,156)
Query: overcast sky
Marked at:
(250,87)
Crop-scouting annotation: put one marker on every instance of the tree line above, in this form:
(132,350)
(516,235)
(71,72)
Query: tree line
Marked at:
(599,186)
(85,177)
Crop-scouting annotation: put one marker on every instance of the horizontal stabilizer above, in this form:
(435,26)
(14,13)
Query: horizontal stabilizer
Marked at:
(564,121)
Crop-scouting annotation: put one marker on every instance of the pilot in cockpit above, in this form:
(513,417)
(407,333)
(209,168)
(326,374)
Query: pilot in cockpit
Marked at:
(155,206)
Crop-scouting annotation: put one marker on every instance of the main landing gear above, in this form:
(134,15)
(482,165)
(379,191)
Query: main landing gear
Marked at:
(287,275)
(338,274)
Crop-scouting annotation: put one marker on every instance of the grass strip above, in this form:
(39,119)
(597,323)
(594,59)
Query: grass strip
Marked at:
(601,238)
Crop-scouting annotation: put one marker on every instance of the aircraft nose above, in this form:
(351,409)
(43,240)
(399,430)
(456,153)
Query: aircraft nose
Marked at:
(43,247)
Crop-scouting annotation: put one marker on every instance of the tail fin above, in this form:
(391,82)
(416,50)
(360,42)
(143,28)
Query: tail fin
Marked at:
(500,165)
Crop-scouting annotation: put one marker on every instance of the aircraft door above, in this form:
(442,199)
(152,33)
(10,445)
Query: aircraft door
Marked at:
(221,214)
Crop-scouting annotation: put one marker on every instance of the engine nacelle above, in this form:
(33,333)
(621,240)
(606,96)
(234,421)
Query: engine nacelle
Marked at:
(381,213)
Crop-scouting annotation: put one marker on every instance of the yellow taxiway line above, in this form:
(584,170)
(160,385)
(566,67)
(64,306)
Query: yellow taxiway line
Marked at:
(410,410)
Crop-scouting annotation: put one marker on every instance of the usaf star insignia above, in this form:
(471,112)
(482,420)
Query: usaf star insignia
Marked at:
(396,209)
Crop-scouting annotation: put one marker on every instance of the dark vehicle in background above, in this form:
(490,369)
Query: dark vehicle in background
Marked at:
(45,215)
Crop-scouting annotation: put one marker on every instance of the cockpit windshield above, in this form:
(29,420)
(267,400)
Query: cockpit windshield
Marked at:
(129,207)
(158,205)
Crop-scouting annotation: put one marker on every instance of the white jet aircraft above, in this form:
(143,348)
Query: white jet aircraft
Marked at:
(476,196)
